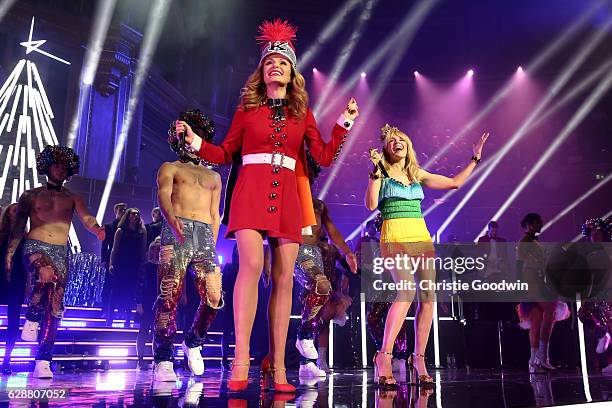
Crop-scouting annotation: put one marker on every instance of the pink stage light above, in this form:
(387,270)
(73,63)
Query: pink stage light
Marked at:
(470,73)
(73,323)
(416,73)
(314,70)
(519,69)
(113,352)
(363,74)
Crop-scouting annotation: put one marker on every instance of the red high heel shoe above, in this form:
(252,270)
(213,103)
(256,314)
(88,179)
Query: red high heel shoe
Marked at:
(267,378)
(238,385)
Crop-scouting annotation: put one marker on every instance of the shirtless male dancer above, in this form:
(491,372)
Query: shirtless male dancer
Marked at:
(310,273)
(189,196)
(50,210)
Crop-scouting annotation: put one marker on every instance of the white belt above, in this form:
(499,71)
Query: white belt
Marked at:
(275,159)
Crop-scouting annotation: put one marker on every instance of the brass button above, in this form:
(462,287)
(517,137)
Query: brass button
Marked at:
(272,209)
(278,144)
(277,129)
(276,170)
(272,136)
(272,196)
(275,183)
(283,136)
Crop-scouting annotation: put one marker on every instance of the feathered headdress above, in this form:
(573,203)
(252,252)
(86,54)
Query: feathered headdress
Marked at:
(276,37)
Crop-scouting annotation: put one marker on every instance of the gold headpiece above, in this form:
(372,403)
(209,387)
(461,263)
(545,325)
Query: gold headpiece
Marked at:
(387,131)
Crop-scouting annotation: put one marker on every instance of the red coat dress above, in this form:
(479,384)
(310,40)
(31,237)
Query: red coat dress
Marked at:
(265,197)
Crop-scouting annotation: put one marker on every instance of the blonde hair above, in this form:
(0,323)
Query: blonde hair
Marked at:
(411,167)
(254,93)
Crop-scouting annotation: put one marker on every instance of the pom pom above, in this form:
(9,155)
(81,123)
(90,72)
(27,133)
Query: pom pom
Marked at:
(562,312)
(277,30)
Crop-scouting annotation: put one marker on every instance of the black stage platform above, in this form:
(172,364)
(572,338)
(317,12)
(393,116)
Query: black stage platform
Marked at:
(345,388)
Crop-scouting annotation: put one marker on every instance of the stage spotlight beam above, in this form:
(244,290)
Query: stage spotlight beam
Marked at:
(586,107)
(553,90)
(5,6)
(532,67)
(155,24)
(411,23)
(102,19)
(331,28)
(573,205)
(569,97)
(420,12)
(344,56)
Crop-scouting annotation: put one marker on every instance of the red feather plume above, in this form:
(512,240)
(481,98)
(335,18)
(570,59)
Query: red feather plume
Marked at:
(277,30)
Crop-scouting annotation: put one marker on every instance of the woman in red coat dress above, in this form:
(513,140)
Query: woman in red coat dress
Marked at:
(270,199)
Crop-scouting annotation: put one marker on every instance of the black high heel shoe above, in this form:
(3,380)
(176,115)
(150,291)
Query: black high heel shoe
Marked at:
(383,381)
(415,377)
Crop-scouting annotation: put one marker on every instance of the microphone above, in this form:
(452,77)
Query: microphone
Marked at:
(181,141)
(382,169)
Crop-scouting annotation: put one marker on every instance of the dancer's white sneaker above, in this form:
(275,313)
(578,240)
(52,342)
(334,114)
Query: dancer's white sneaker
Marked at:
(192,395)
(29,331)
(307,349)
(194,358)
(164,372)
(42,369)
(310,370)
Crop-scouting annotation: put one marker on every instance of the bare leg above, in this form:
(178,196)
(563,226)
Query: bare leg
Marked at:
(535,317)
(284,254)
(395,319)
(424,318)
(548,320)
(323,339)
(250,250)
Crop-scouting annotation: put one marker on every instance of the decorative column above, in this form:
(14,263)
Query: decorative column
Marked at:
(106,107)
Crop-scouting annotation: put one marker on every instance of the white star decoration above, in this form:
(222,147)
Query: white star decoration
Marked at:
(26,127)
(35,46)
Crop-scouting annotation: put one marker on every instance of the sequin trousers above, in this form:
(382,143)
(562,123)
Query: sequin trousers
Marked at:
(196,255)
(316,289)
(597,316)
(47,267)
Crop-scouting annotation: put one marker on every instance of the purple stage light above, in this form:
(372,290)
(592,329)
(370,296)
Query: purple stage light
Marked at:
(363,74)
(470,73)
(17,352)
(315,70)
(519,69)
(416,73)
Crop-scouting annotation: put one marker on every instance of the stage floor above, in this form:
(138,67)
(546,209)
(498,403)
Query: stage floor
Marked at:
(344,388)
